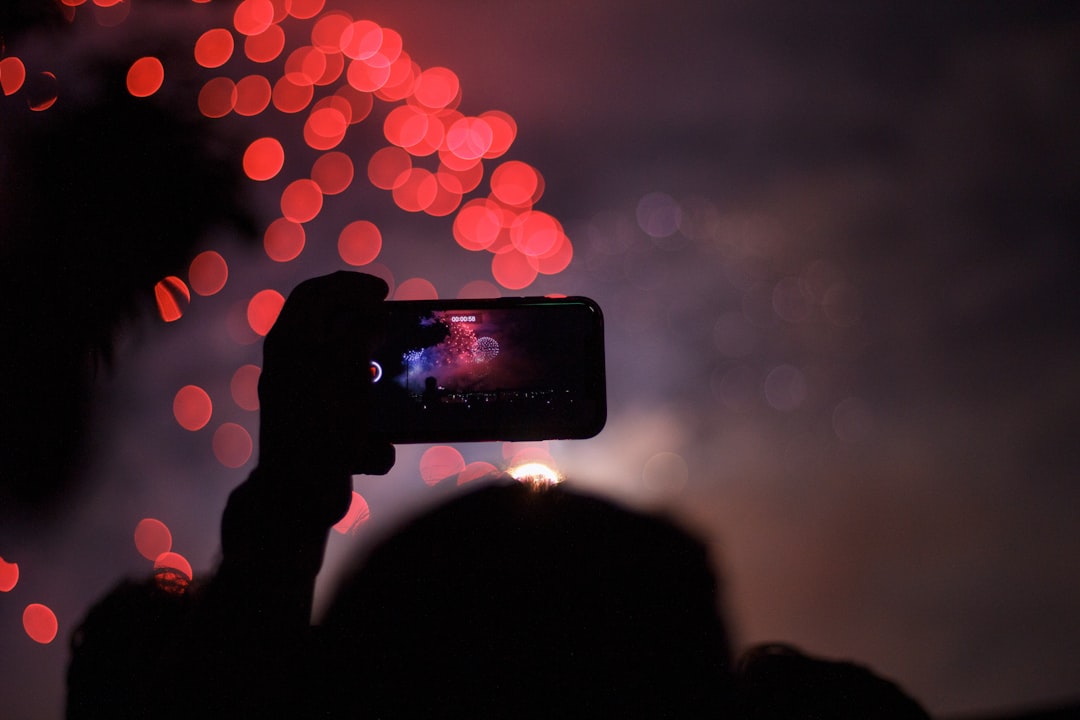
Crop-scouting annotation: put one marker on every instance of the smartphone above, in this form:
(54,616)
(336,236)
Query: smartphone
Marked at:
(519,368)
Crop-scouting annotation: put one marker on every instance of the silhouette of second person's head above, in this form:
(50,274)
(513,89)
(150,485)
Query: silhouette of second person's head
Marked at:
(511,601)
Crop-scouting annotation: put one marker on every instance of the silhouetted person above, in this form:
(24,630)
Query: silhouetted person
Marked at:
(432,396)
(506,602)
(518,602)
(778,682)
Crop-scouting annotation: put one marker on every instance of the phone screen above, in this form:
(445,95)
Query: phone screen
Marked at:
(502,369)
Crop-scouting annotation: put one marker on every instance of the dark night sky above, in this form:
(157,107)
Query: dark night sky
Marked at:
(852,369)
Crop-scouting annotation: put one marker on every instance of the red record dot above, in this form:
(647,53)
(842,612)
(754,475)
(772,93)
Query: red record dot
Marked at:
(389,168)
(301,201)
(263,309)
(284,240)
(214,48)
(333,172)
(173,561)
(264,158)
(192,407)
(217,97)
(266,46)
(439,463)
(252,95)
(232,445)
(512,270)
(416,289)
(152,538)
(9,575)
(171,295)
(40,623)
(244,387)
(359,243)
(145,77)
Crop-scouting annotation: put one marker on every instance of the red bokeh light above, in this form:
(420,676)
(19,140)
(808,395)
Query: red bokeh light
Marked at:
(535,233)
(333,172)
(9,575)
(416,289)
(503,132)
(406,125)
(208,273)
(171,295)
(399,85)
(264,158)
(369,75)
(305,65)
(417,192)
(357,514)
(469,138)
(173,561)
(244,387)
(306,9)
(192,407)
(281,9)
(301,200)
(145,76)
(389,168)
(217,97)
(468,178)
(359,243)
(516,183)
(479,289)
(360,102)
(12,75)
(361,40)
(447,196)
(232,445)
(326,32)
(263,309)
(284,240)
(477,225)
(325,127)
(40,623)
(252,95)
(266,46)
(436,87)
(556,260)
(391,44)
(334,66)
(152,538)
(512,270)
(42,91)
(214,48)
(439,463)
(288,97)
(475,471)
(252,17)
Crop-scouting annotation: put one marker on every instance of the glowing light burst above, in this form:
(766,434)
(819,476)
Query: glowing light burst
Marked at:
(536,473)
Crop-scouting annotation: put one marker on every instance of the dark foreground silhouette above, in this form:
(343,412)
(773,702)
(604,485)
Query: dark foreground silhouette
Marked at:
(508,601)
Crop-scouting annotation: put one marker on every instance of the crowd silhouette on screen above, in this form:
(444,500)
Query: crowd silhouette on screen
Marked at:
(512,600)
